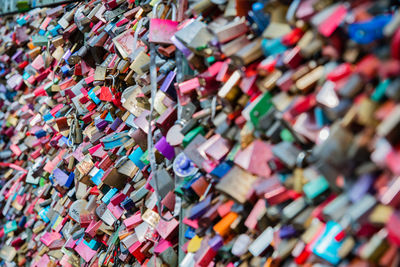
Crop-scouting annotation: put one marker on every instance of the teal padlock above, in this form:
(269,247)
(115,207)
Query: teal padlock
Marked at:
(315,188)
(11,226)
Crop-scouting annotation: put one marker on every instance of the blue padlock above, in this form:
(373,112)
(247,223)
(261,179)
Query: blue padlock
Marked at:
(272,47)
(96,179)
(70,179)
(93,97)
(107,197)
(22,222)
(42,32)
(21,21)
(41,133)
(43,214)
(26,76)
(65,69)
(128,203)
(326,246)
(258,16)
(54,31)
(190,233)
(320,117)
(109,118)
(221,169)
(135,157)
(369,31)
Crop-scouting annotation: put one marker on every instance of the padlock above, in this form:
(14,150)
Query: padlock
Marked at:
(161,30)
(78,132)
(62,123)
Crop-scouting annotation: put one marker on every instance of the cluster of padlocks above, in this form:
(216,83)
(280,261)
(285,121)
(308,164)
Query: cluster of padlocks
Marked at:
(200,133)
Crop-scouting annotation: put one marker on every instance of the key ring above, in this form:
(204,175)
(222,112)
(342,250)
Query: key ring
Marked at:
(113,77)
(70,142)
(46,54)
(71,135)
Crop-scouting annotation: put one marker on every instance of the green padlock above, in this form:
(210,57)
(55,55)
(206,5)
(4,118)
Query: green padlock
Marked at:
(261,106)
(145,158)
(192,134)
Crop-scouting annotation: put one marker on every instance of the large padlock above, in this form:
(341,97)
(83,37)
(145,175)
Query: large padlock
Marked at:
(161,30)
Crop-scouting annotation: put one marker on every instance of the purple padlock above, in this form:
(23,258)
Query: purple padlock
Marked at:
(168,85)
(117,122)
(216,242)
(101,125)
(18,56)
(165,149)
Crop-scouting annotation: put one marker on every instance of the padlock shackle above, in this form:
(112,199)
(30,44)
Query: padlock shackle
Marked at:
(174,12)
(113,77)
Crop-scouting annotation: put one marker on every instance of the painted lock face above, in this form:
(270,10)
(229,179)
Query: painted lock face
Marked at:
(76,209)
(183,166)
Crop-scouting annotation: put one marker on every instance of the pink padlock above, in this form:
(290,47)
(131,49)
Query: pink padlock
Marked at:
(161,30)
